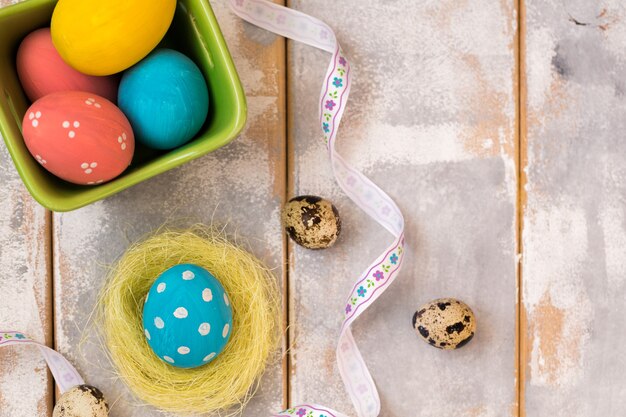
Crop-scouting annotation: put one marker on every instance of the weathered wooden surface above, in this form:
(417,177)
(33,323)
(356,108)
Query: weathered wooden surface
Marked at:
(25,296)
(432,119)
(25,288)
(242,184)
(574,237)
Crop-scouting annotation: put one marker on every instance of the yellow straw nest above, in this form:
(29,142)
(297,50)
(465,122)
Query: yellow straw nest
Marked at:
(225,384)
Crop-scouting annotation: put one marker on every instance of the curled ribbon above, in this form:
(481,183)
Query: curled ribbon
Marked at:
(368,196)
(65,375)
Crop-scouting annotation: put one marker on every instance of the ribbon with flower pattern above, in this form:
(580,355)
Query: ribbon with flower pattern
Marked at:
(65,375)
(367,195)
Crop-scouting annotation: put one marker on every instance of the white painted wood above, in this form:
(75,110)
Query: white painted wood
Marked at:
(25,296)
(242,185)
(432,119)
(574,236)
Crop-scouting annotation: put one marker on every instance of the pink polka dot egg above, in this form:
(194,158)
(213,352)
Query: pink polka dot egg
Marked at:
(79,137)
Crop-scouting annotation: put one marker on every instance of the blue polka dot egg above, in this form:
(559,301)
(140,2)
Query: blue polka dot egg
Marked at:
(187,316)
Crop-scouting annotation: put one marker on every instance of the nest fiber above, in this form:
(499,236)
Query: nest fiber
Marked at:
(227,382)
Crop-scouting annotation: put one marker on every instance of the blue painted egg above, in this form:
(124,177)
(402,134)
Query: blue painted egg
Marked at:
(166,99)
(187,316)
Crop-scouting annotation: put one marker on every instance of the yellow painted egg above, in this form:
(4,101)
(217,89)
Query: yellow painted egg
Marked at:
(104,37)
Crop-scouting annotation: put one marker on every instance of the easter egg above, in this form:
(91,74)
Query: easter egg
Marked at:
(165,98)
(108,36)
(187,316)
(42,71)
(79,137)
(445,323)
(312,222)
(81,401)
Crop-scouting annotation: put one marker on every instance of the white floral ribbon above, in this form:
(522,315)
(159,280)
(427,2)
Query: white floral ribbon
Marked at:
(65,375)
(367,195)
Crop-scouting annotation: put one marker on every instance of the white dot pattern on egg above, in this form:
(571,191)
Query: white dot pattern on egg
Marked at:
(88,167)
(192,331)
(204,329)
(66,125)
(92,102)
(122,141)
(34,118)
(181,313)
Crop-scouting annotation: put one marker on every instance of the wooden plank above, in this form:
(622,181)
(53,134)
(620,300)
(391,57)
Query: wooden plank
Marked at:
(574,236)
(433,121)
(25,285)
(26,299)
(26,387)
(242,184)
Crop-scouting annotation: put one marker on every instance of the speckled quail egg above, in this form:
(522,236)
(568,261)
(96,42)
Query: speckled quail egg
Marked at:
(445,323)
(81,401)
(312,222)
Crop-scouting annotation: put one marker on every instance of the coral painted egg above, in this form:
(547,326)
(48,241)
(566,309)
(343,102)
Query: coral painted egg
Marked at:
(42,71)
(79,137)
(166,99)
(187,316)
(108,36)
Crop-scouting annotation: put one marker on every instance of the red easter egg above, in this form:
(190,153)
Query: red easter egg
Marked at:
(79,137)
(42,71)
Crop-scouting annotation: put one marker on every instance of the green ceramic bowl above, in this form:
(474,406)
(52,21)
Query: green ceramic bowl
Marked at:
(194,32)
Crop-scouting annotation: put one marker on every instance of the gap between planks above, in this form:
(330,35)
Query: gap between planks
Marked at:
(286,244)
(50,236)
(522,162)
